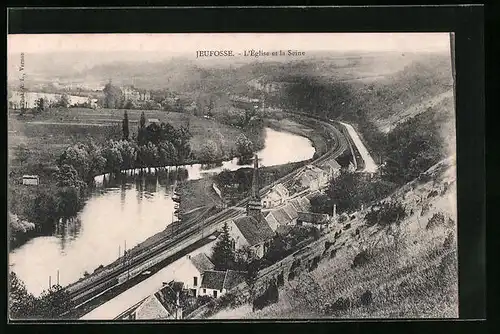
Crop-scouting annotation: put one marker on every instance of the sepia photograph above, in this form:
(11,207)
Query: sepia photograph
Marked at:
(200,176)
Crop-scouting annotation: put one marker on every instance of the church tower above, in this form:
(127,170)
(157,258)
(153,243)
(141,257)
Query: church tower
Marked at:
(254,206)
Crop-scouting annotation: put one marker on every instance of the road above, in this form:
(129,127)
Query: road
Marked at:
(370,165)
(168,243)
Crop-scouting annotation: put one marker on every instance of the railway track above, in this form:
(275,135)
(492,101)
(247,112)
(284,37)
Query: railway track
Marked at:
(80,292)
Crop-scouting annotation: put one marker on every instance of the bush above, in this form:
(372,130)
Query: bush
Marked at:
(366,298)
(333,253)
(341,304)
(314,263)
(432,193)
(448,242)
(436,220)
(280,281)
(270,296)
(361,259)
(388,213)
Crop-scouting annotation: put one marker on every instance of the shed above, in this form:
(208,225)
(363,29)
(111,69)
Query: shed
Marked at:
(31,180)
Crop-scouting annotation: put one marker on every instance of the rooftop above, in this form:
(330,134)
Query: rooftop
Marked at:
(202,262)
(254,230)
(218,280)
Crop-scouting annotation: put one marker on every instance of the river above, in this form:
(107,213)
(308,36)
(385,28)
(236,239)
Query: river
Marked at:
(123,214)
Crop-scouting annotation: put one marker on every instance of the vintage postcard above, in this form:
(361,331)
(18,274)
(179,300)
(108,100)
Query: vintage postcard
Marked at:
(232,176)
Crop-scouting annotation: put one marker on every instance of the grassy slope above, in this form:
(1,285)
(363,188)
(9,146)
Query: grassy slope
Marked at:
(413,275)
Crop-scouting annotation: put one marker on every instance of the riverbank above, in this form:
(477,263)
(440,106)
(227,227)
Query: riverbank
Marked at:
(36,141)
(293,125)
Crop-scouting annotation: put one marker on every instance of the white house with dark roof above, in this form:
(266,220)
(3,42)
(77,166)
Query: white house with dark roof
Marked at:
(192,270)
(278,195)
(312,177)
(216,283)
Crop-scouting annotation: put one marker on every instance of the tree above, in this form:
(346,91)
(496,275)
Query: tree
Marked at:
(78,157)
(223,254)
(148,155)
(67,176)
(244,257)
(21,302)
(113,96)
(40,105)
(125,128)
(63,101)
(22,153)
(113,156)
(68,201)
(321,204)
(96,160)
(128,151)
(244,146)
(142,122)
(209,151)
(53,303)
(278,249)
(166,153)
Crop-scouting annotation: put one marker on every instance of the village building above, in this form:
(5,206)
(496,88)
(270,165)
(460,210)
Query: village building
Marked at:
(191,272)
(278,218)
(217,283)
(317,220)
(331,168)
(164,304)
(301,204)
(130,93)
(153,120)
(276,196)
(313,178)
(32,180)
(252,230)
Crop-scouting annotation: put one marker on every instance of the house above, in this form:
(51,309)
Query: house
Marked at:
(278,217)
(251,231)
(191,107)
(192,270)
(153,120)
(312,177)
(318,220)
(144,95)
(164,304)
(217,283)
(33,180)
(331,168)
(301,204)
(130,93)
(277,196)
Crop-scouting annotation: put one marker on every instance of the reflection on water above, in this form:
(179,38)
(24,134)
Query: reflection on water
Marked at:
(126,208)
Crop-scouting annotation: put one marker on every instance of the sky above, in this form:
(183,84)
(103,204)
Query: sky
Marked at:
(189,43)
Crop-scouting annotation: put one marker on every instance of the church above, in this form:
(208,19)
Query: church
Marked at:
(252,230)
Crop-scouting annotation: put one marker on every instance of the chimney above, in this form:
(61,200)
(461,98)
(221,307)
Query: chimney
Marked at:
(335,211)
